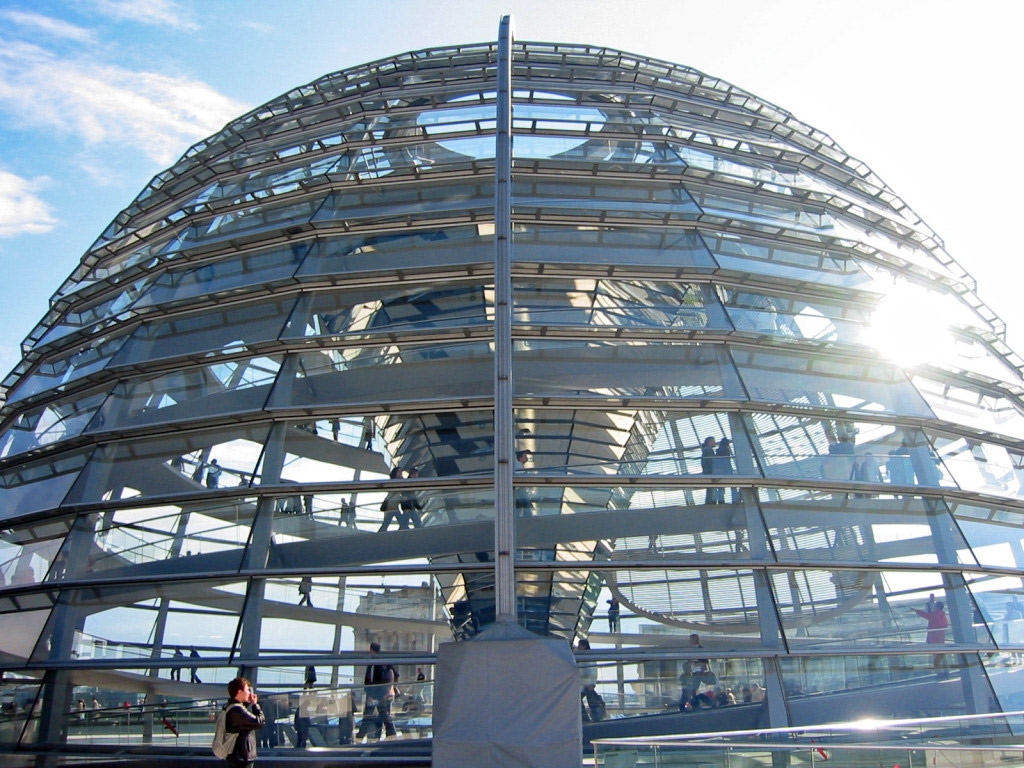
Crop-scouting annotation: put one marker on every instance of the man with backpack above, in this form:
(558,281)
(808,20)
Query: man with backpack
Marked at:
(234,738)
(380,694)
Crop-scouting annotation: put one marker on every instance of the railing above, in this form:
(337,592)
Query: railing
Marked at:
(334,715)
(980,741)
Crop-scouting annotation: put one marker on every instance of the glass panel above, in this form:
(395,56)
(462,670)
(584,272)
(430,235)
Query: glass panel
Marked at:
(708,536)
(434,120)
(840,451)
(49,424)
(395,204)
(228,274)
(776,178)
(262,184)
(781,377)
(240,222)
(996,534)
(909,337)
(128,708)
(633,442)
(445,247)
(1004,676)
(441,443)
(218,389)
(330,704)
(1000,614)
(18,695)
(216,330)
(603,245)
(834,608)
(815,319)
(848,687)
(982,467)
(604,154)
(80,362)
(586,302)
(786,260)
(602,200)
(664,607)
(376,162)
(360,313)
(623,369)
(764,213)
(38,486)
(970,406)
(626,523)
(548,602)
(27,551)
(333,535)
(386,375)
(694,682)
(125,252)
(970,354)
(309,615)
(172,464)
(138,624)
(853,529)
(129,539)
(313,456)
(19,634)
(93,319)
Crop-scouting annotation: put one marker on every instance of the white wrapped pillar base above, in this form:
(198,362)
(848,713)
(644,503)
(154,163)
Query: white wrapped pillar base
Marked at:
(507,698)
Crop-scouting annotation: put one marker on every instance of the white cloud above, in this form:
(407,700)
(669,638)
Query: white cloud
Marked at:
(22,212)
(156,12)
(50,26)
(157,114)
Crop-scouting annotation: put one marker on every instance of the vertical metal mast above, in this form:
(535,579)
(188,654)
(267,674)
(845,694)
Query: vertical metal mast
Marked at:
(504,518)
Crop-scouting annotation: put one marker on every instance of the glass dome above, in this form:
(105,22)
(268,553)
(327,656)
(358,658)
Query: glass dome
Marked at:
(757,411)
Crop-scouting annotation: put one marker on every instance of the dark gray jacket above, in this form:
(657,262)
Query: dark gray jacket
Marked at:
(244,720)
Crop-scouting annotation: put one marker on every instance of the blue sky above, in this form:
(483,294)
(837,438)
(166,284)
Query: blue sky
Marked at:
(97,96)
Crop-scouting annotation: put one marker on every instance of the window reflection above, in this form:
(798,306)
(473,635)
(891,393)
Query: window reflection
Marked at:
(119,623)
(49,424)
(230,386)
(230,273)
(175,464)
(777,376)
(615,304)
(981,466)
(860,678)
(623,369)
(216,330)
(855,528)
(28,551)
(821,608)
(68,368)
(846,451)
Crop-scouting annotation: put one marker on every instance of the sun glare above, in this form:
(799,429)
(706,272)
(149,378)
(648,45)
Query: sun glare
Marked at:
(908,326)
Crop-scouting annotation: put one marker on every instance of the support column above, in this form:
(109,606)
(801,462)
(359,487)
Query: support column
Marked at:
(258,552)
(504,519)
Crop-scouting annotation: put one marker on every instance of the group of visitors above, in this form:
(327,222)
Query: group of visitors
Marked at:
(906,464)
(402,506)
(700,687)
(716,459)
(192,671)
(212,472)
